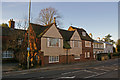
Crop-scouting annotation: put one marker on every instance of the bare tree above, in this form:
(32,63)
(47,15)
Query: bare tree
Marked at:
(24,22)
(46,16)
(19,24)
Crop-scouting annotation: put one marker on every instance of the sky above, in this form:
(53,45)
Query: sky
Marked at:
(98,18)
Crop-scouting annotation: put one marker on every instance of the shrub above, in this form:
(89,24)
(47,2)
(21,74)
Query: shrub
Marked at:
(109,55)
(116,54)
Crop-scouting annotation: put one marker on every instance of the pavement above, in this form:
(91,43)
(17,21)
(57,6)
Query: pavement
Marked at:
(11,67)
(84,70)
(6,67)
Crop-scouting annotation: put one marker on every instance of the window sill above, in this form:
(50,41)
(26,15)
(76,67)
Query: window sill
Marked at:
(76,58)
(54,62)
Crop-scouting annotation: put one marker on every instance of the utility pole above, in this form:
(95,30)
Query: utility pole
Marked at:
(28,48)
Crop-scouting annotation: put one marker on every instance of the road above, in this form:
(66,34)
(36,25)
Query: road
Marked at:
(99,69)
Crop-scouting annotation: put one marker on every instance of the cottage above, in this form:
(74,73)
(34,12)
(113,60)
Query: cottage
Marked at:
(11,41)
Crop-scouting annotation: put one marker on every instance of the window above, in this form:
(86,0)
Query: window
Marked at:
(53,42)
(7,54)
(87,54)
(53,59)
(87,44)
(77,57)
(83,33)
(76,43)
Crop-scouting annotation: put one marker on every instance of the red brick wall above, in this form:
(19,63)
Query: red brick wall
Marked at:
(46,60)
(62,59)
(86,49)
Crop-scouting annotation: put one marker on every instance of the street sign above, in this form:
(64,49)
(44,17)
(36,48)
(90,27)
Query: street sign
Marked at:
(28,48)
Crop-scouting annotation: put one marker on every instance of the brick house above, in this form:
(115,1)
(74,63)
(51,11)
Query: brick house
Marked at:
(58,46)
(48,44)
(11,41)
(87,43)
(48,40)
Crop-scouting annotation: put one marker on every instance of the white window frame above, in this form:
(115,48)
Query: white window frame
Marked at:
(53,59)
(77,57)
(48,40)
(88,54)
(6,54)
(83,33)
(87,42)
(78,42)
(85,55)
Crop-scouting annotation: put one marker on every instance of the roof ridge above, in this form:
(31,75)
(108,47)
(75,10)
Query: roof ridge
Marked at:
(65,30)
(77,28)
(38,24)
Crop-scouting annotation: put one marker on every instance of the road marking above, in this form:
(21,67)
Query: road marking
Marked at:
(68,77)
(101,69)
(95,75)
(90,71)
(70,72)
(90,76)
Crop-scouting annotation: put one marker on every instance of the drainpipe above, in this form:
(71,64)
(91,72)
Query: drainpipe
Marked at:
(67,56)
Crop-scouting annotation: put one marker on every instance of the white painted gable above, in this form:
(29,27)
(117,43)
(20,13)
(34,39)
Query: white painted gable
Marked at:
(52,32)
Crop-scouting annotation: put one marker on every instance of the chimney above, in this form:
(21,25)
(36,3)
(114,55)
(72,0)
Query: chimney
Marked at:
(98,39)
(103,39)
(54,20)
(11,23)
(91,35)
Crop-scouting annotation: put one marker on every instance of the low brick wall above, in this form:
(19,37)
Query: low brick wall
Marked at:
(63,59)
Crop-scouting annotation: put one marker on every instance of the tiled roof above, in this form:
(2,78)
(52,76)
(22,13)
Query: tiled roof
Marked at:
(10,37)
(80,30)
(106,42)
(95,41)
(66,37)
(66,34)
(12,32)
(39,29)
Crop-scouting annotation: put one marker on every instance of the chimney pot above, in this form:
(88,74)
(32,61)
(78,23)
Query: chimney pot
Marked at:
(11,23)
(91,35)
(54,20)
(98,39)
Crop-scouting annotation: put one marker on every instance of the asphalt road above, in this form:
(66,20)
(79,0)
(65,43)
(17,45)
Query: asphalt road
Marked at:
(100,69)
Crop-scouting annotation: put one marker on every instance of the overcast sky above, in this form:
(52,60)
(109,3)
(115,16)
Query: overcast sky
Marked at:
(98,18)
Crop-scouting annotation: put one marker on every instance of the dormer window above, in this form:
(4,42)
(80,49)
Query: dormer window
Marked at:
(83,33)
